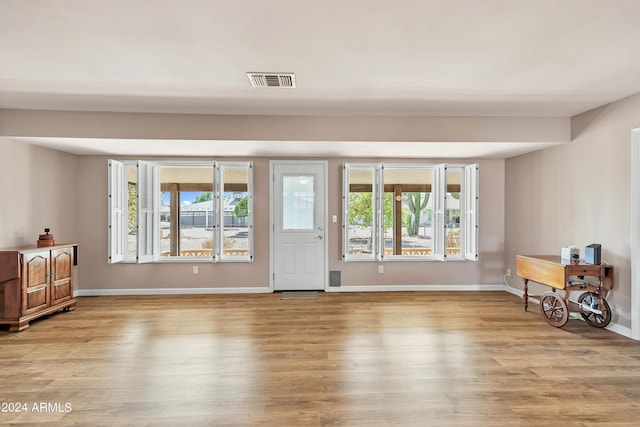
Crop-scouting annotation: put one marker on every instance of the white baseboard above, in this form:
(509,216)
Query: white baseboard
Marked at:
(614,327)
(514,291)
(170,291)
(405,288)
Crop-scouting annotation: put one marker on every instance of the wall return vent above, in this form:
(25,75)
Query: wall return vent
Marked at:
(283,80)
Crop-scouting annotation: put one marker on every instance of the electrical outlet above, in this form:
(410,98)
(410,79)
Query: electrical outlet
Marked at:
(508,272)
(195,269)
(380,269)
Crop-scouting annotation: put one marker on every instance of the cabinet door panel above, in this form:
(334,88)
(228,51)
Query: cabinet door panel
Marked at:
(60,291)
(35,276)
(61,269)
(35,269)
(61,263)
(36,299)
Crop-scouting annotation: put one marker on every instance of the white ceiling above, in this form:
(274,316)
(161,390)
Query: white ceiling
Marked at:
(536,58)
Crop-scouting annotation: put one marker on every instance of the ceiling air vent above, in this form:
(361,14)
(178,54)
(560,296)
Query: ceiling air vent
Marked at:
(284,80)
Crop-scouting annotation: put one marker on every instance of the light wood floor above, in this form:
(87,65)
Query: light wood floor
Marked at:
(366,359)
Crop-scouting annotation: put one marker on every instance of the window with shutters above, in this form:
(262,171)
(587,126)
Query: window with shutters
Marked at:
(409,212)
(180,211)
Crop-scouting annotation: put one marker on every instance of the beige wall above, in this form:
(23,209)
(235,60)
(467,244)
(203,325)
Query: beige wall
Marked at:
(88,174)
(95,273)
(37,123)
(578,194)
(39,189)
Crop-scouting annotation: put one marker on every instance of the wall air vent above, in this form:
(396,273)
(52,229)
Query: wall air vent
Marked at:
(284,80)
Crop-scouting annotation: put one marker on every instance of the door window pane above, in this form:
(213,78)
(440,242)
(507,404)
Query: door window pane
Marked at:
(298,202)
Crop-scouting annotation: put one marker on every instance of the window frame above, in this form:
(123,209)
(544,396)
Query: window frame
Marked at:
(158,258)
(148,211)
(346,190)
(439,189)
(396,234)
(219,194)
(460,169)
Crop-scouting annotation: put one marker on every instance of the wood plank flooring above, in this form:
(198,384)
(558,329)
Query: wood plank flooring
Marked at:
(345,359)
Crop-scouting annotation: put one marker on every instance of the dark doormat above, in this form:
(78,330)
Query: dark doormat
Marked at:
(299,295)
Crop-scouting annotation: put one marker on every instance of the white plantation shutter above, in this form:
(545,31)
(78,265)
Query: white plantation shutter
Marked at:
(148,188)
(470,193)
(346,174)
(218,213)
(378,211)
(117,211)
(250,206)
(439,195)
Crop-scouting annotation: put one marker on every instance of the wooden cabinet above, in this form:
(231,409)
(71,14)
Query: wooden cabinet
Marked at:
(35,282)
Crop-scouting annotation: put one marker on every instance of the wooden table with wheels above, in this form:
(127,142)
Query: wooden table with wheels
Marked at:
(567,276)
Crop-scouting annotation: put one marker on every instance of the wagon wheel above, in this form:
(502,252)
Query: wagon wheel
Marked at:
(554,309)
(594,319)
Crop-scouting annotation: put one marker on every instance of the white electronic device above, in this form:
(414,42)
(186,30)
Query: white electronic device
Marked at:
(571,253)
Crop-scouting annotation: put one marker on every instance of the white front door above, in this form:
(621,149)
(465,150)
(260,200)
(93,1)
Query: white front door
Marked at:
(298,224)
